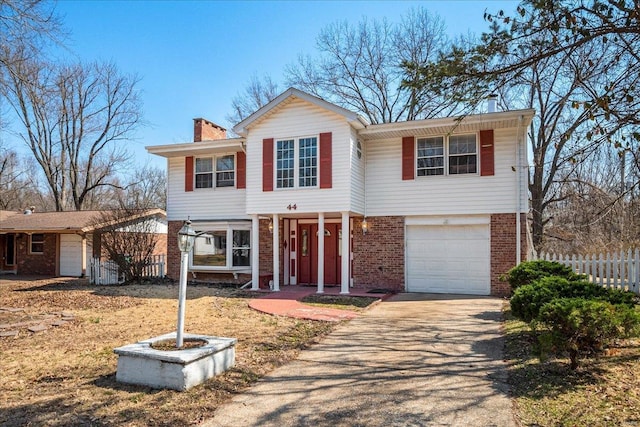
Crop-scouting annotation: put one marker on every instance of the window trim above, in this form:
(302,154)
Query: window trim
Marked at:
(229,228)
(446,155)
(31,242)
(214,171)
(296,162)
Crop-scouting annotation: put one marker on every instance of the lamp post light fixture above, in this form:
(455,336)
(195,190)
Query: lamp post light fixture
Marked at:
(186,240)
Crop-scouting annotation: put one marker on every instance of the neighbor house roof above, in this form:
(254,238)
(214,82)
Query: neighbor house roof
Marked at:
(61,222)
(286,97)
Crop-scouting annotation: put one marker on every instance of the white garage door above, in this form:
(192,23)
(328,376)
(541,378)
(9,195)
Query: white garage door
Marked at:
(448,259)
(71,255)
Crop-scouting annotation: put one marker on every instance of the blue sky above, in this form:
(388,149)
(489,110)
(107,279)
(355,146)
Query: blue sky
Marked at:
(193,57)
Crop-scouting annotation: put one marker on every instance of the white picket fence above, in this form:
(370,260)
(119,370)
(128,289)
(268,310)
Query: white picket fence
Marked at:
(107,272)
(618,270)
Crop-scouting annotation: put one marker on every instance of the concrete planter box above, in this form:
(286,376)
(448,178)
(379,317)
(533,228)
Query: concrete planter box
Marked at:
(177,369)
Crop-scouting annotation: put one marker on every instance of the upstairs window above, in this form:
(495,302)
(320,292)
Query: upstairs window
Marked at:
(285,156)
(297,162)
(431,156)
(308,162)
(455,155)
(463,156)
(204,172)
(224,171)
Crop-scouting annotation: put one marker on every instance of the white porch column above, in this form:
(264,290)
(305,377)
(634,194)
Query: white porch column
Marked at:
(276,252)
(255,252)
(321,253)
(346,256)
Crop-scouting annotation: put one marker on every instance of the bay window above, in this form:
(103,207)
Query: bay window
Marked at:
(221,246)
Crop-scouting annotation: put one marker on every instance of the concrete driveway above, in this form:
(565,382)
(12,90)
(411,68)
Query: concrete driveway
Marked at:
(413,360)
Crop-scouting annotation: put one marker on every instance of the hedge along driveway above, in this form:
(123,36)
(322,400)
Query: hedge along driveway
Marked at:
(415,359)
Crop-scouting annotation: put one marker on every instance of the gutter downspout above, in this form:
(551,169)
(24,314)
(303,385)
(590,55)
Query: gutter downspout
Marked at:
(518,193)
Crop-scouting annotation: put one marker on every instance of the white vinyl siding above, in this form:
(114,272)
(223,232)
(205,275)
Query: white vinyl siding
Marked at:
(299,119)
(388,194)
(224,203)
(357,173)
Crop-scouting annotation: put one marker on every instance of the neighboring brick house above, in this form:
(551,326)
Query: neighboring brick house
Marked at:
(60,243)
(433,205)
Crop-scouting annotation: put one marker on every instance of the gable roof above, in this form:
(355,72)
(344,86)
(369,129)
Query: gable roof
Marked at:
(61,222)
(285,97)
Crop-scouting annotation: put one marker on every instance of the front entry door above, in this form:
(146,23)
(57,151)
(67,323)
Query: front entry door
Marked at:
(308,255)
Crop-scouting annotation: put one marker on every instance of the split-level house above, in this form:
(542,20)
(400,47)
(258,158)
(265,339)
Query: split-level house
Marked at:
(435,205)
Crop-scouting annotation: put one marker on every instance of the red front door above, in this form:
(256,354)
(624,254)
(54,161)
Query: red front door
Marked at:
(308,254)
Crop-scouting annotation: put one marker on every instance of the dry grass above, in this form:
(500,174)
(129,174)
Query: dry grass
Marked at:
(66,374)
(604,391)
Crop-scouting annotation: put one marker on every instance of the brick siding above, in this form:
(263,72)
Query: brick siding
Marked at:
(40,264)
(503,249)
(378,256)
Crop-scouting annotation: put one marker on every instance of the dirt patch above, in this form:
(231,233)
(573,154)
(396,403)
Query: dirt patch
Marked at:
(340,301)
(66,375)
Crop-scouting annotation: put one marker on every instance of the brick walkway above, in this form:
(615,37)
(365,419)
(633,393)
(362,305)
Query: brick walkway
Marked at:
(286,302)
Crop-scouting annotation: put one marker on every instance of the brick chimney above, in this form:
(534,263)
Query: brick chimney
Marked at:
(204,130)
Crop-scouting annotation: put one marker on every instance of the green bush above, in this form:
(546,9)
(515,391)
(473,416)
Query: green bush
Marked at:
(581,326)
(527,272)
(527,300)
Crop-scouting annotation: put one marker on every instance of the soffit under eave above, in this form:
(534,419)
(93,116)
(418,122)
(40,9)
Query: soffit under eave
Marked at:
(195,149)
(444,129)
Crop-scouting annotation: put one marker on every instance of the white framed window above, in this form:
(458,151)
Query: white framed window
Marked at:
(221,246)
(297,162)
(285,155)
(36,245)
(453,155)
(463,154)
(220,167)
(430,156)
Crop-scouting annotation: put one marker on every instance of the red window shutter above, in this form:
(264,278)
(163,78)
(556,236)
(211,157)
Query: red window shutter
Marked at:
(267,164)
(188,173)
(326,171)
(487,167)
(408,158)
(241,170)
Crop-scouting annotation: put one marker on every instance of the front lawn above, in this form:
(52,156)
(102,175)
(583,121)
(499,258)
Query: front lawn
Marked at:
(65,375)
(603,391)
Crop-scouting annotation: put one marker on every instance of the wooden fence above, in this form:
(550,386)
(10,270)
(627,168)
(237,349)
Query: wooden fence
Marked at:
(107,272)
(618,270)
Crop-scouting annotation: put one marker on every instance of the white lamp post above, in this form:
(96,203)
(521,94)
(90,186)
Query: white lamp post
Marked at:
(186,240)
